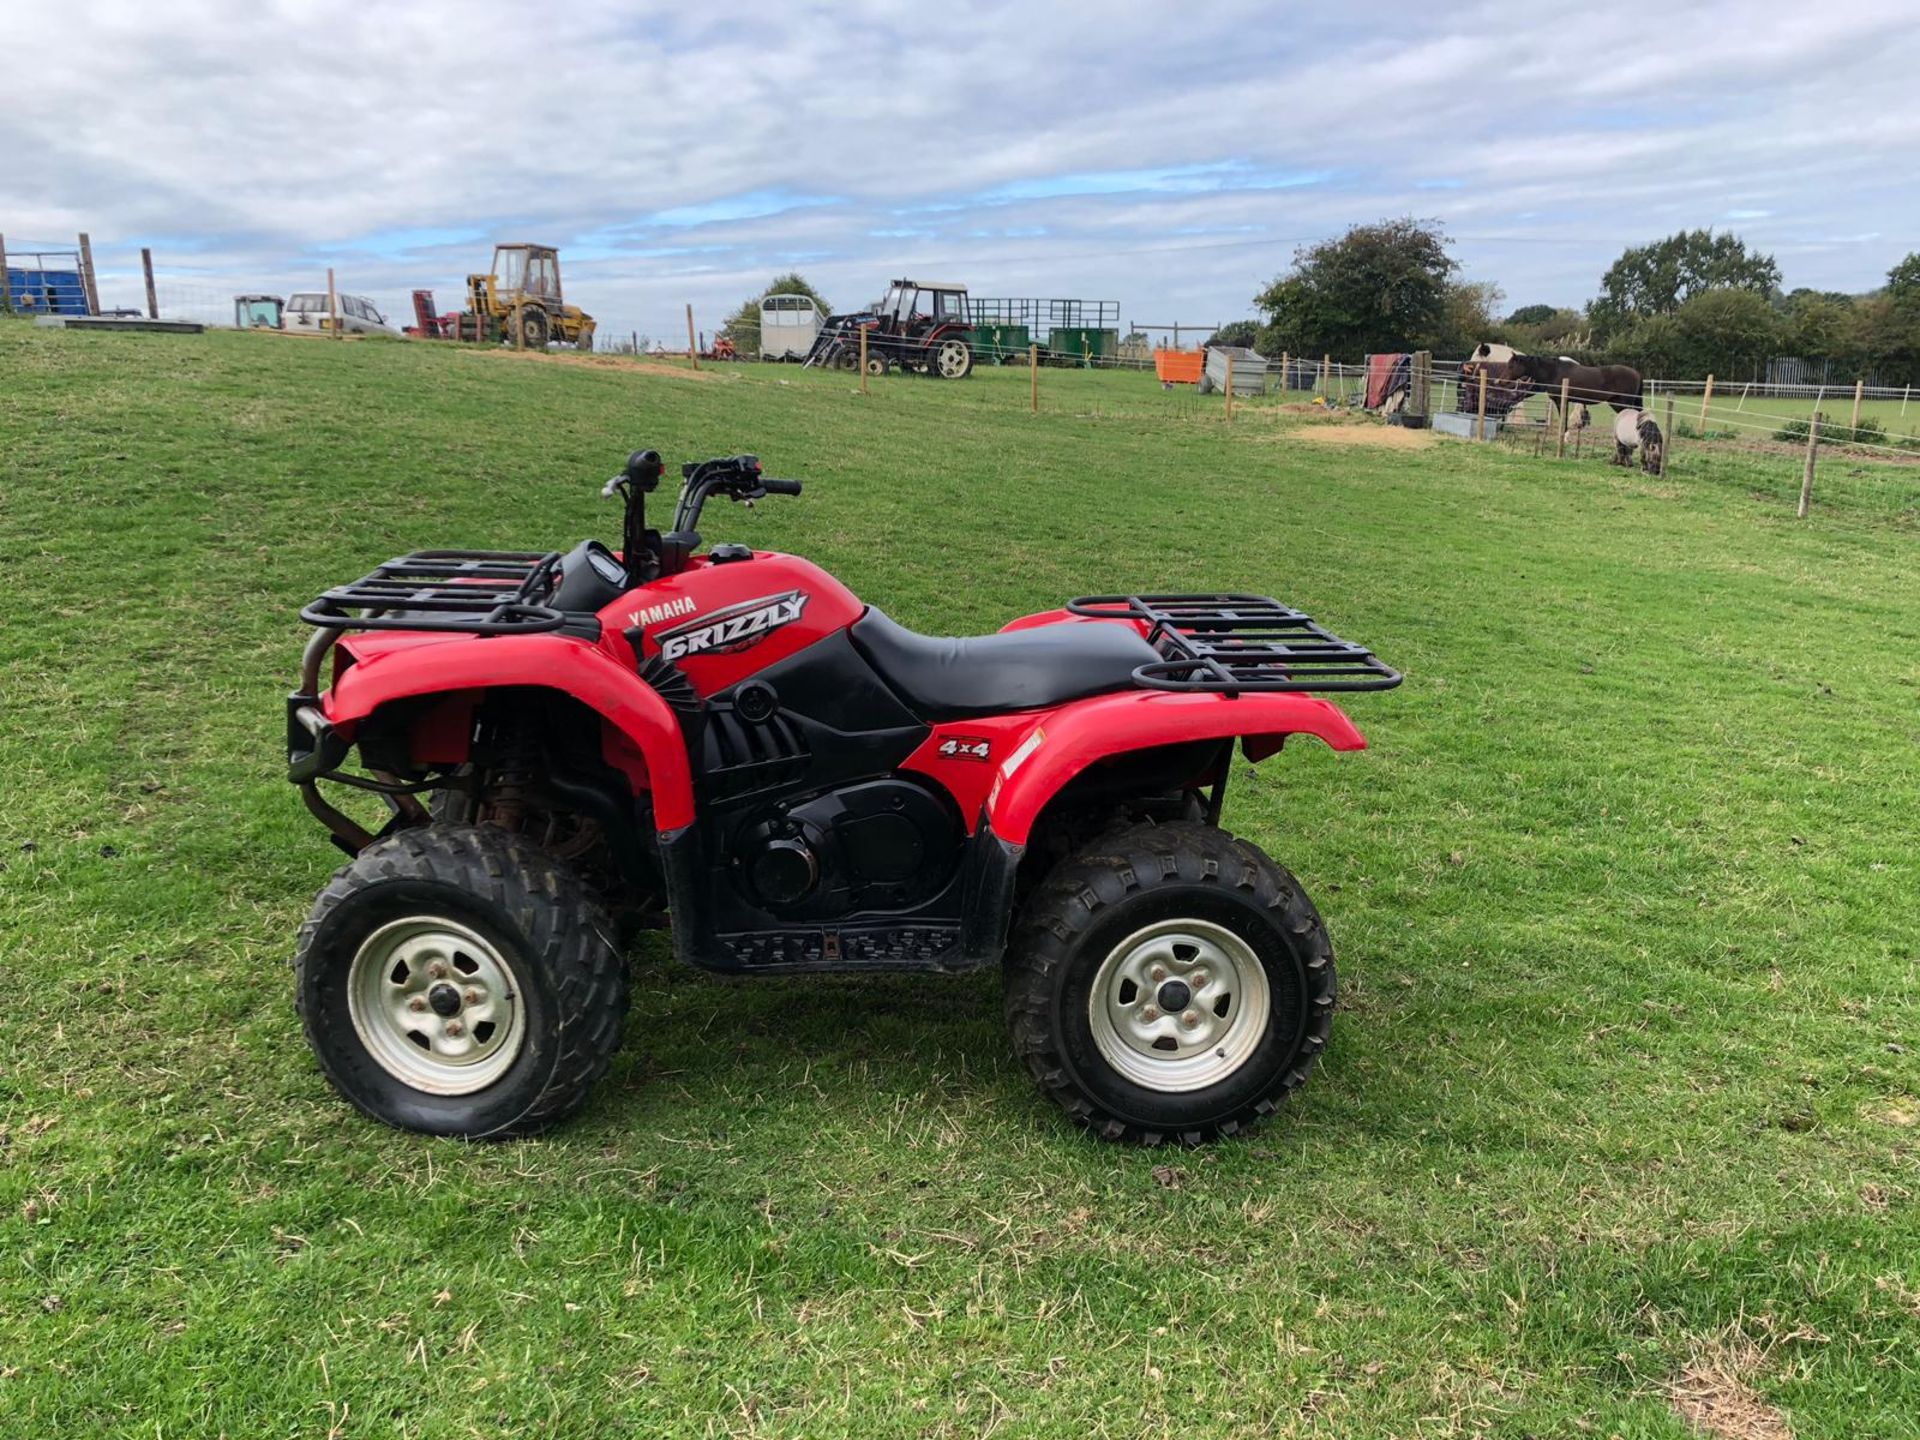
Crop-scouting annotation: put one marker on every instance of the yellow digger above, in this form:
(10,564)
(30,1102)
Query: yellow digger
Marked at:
(520,301)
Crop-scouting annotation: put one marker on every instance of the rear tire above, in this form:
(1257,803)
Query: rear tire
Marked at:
(458,981)
(1169,983)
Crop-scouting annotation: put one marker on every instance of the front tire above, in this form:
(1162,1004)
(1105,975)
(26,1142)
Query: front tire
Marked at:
(1170,983)
(530,327)
(952,360)
(458,981)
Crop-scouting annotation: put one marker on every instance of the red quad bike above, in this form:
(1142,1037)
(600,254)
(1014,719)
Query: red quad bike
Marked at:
(574,745)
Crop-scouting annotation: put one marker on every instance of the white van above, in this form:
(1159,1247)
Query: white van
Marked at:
(308,310)
(788,325)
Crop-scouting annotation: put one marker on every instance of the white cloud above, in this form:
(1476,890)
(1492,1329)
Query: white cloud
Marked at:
(1169,160)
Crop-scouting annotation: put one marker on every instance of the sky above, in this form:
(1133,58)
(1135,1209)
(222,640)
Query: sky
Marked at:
(1170,157)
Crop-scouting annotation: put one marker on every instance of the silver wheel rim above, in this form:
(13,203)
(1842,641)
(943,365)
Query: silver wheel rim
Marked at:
(952,358)
(435,1005)
(1224,1017)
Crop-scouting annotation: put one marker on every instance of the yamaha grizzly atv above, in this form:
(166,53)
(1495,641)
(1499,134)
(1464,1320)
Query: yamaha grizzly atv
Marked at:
(573,745)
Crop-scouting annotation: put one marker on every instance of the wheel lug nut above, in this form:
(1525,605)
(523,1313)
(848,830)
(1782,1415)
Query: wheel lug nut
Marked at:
(418,1002)
(1199,980)
(1159,973)
(472,997)
(1190,1019)
(1149,1012)
(438,969)
(455,1028)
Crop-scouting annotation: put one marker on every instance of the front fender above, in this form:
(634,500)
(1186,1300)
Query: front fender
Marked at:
(552,662)
(1069,740)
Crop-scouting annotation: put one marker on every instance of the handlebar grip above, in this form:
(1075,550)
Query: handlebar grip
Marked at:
(780,487)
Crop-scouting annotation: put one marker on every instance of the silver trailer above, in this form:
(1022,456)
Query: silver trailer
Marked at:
(1249,370)
(788,326)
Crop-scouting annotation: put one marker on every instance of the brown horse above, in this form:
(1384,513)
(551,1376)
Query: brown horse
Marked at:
(1616,385)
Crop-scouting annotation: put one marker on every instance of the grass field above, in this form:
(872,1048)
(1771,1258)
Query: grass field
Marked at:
(1618,1132)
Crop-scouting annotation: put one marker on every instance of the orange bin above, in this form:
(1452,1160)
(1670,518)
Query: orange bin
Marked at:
(1179,367)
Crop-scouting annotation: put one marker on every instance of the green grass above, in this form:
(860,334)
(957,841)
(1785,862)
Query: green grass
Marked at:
(1624,900)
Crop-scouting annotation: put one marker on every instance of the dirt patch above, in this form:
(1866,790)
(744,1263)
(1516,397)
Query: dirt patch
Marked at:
(592,360)
(1893,1112)
(1386,437)
(1713,1396)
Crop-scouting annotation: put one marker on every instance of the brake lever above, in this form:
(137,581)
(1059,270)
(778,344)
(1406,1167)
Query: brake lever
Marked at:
(612,487)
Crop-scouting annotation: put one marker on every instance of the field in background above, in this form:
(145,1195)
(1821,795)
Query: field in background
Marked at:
(1623,1109)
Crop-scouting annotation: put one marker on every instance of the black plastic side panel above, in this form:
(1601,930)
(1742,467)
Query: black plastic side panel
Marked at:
(976,937)
(831,682)
(987,897)
(834,730)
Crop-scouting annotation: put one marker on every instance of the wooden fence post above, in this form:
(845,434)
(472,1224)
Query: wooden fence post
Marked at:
(153,300)
(1903,399)
(693,350)
(1286,375)
(1706,399)
(863,360)
(1744,391)
(1666,446)
(1326,379)
(6,288)
(87,283)
(1229,386)
(333,304)
(1859,389)
(1806,477)
(1033,378)
(1480,418)
(635,341)
(1560,449)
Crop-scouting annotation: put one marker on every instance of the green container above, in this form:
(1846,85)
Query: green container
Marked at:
(1085,343)
(1001,342)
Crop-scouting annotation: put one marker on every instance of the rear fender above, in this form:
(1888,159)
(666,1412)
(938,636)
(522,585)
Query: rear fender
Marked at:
(641,723)
(1068,740)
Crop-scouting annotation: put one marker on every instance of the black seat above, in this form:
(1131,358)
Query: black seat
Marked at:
(943,679)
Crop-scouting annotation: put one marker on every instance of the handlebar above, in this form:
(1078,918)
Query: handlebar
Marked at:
(648,553)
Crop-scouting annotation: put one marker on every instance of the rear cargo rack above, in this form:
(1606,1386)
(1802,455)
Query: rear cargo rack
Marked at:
(474,592)
(1230,643)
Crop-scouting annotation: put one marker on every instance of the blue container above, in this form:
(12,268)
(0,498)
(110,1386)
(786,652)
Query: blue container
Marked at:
(46,292)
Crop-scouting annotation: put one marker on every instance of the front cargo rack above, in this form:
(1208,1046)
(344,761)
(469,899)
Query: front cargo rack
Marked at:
(1230,643)
(474,592)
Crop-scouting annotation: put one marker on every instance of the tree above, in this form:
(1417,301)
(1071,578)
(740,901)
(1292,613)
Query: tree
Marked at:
(1654,346)
(1819,324)
(1466,317)
(1886,333)
(1238,332)
(1658,279)
(743,326)
(1544,330)
(1903,280)
(1378,287)
(1727,332)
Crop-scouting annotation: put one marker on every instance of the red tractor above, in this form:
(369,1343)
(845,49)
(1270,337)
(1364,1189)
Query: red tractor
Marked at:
(920,327)
(571,746)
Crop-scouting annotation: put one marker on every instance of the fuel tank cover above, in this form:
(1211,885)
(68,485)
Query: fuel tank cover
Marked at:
(729,553)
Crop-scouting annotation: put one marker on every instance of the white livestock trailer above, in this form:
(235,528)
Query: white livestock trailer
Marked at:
(788,326)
